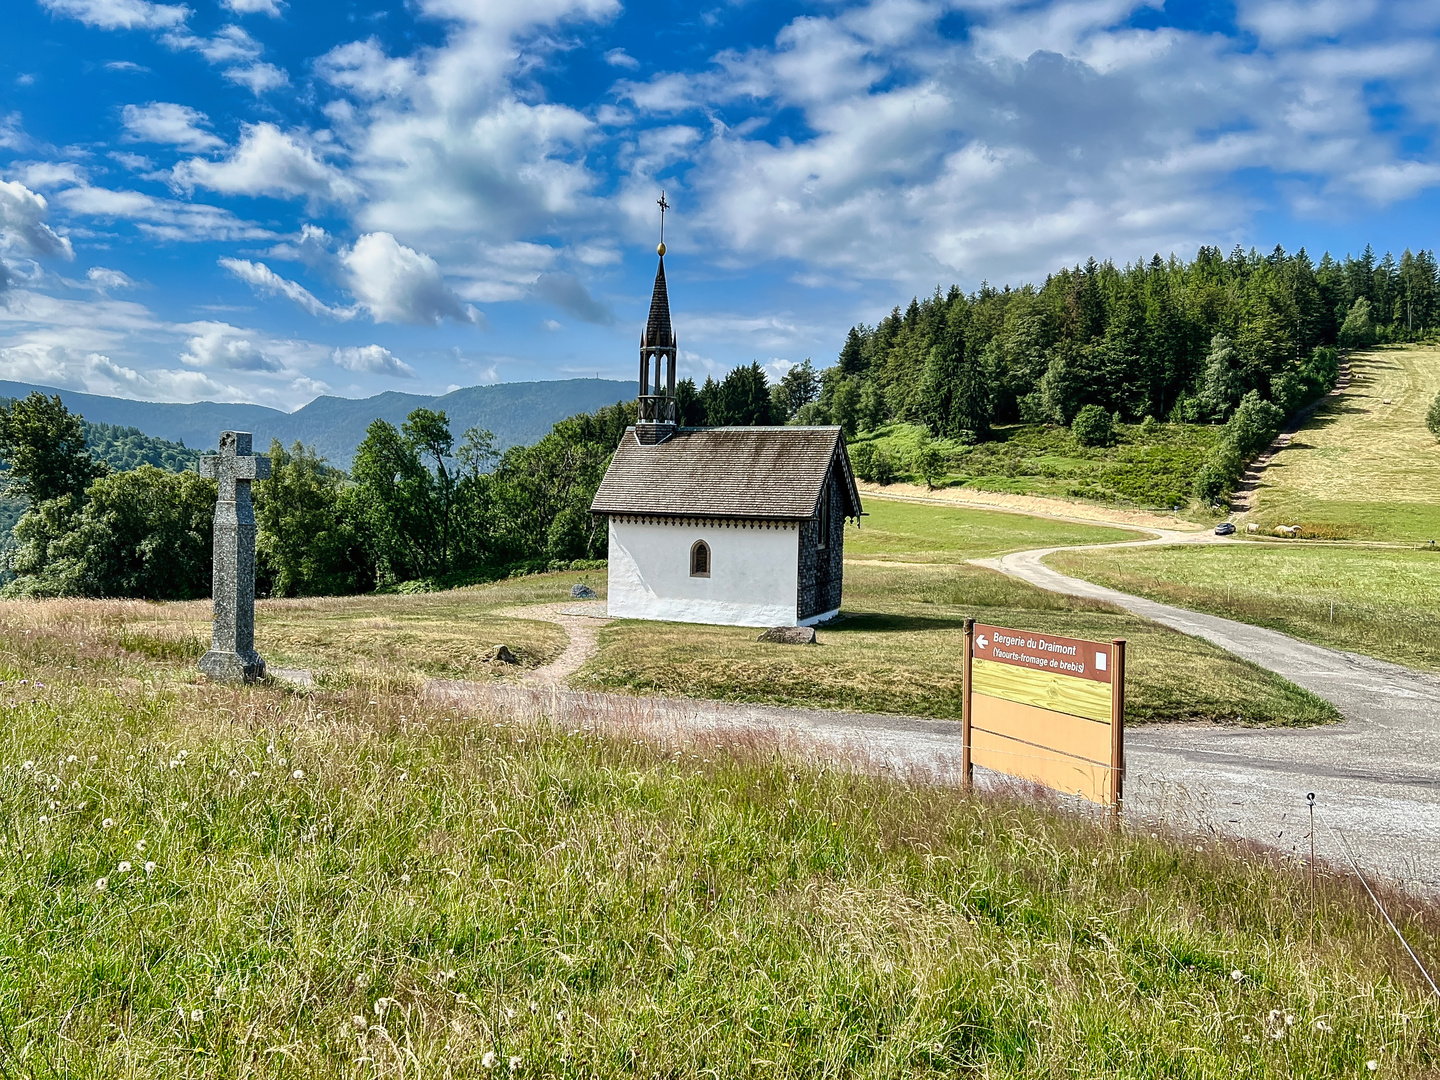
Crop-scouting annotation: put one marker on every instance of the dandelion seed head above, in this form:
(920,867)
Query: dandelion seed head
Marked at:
(27,766)
(71,760)
(1372,1064)
(149,868)
(253,775)
(489,1059)
(101,884)
(1321,1025)
(515,1061)
(298,774)
(44,820)
(107,823)
(361,1024)
(123,868)
(1289,1019)
(270,749)
(196,1015)
(1237,975)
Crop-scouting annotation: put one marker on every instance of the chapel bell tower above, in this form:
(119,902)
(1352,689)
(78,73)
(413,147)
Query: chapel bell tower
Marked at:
(656,415)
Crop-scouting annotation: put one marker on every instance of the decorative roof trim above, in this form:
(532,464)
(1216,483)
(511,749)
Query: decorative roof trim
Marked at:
(710,521)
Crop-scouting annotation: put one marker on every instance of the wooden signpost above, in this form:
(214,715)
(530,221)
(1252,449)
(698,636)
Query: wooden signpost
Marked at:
(1047,709)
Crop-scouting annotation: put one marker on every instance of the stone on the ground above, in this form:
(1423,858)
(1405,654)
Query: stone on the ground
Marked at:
(232,656)
(583,592)
(501,654)
(789,635)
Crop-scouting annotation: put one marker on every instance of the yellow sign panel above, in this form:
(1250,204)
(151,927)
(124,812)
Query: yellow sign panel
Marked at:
(1048,710)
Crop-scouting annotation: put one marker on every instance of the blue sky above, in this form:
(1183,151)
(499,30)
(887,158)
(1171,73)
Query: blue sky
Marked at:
(264,201)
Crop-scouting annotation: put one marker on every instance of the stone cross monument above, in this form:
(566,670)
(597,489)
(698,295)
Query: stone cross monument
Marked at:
(232,656)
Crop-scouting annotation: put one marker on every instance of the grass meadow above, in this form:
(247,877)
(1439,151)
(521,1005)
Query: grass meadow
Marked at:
(1365,467)
(898,647)
(355,882)
(1384,602)
(403,638)
(1149,467)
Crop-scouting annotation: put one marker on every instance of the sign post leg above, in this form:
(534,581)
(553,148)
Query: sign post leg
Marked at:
(967,768)
(1117,730)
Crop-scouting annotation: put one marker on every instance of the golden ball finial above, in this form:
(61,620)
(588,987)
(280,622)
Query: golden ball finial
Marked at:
(660,250)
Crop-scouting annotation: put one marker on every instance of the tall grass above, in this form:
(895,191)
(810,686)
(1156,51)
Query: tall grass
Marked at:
(203,881)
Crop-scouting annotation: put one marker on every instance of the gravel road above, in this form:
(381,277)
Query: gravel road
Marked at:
(1376,776)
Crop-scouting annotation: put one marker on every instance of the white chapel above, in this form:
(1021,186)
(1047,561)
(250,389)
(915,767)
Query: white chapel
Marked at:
(743,526)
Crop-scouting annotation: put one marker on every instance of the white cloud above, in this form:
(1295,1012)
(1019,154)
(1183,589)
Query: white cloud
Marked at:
(23,229)
(256,7)
(267,161)
(126,65)
(171,124)
(107,280)
(228,348)
(12,135)
(363,69)
(398,284)
(228,45)
(119,14)
(165,219)
(621,59)
(265,281)
(372,359)
(258,78)
(51,174)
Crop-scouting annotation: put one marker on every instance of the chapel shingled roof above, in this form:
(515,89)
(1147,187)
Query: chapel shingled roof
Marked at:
(766,473)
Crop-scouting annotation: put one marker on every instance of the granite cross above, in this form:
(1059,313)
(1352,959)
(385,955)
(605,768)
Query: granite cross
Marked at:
(232,656)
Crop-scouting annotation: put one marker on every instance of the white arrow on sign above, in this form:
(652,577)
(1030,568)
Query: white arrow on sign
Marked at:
(982,641)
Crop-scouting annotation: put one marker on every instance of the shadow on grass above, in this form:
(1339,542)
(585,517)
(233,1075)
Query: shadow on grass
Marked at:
(882,623)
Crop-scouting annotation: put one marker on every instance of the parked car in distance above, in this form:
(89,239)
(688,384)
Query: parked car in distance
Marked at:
(1225,528)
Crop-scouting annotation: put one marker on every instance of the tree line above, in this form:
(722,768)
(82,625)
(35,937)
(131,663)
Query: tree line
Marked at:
(416,504)
(1174,340)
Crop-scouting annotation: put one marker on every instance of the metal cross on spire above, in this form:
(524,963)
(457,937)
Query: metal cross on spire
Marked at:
(663,207)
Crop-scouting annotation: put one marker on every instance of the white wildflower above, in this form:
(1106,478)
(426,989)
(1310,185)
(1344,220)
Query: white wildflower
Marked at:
(149,868)
(515,1062)
(405,879)
(27,766)
(298,774)
(1372,1064)
(182,754)
(196,1015)
(509,1013)
(234,773)
(71,760)
(1289,1019)
(253,774)
(44,820)
(108,823)
(1321,1026)
(1237,975)
(270,749)
(489,1059)
(362,980)
(123,868)
(282,762)
(101,884)
(381,1004)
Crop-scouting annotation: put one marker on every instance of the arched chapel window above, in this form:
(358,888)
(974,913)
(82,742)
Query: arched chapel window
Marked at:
(700,559)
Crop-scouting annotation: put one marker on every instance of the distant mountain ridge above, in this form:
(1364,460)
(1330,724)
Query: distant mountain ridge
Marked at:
(517,413)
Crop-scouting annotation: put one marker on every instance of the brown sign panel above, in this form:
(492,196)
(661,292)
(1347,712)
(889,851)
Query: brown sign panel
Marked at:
(1047,709)
(1045,652)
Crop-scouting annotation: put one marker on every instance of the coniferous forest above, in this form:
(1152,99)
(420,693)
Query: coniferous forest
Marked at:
(1170,375)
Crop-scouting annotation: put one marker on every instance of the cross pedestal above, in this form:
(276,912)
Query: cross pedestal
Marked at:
(232,656)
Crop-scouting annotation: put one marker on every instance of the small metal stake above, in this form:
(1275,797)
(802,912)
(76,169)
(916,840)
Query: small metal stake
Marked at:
(1310,798)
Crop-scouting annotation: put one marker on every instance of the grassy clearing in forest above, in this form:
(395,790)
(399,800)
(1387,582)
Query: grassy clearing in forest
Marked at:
(1150,467)
(209,881)
(1366,467)
(1386,601)
(897,650)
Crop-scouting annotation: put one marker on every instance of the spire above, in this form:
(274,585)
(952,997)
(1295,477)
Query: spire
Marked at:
(658,331)
(655,407)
